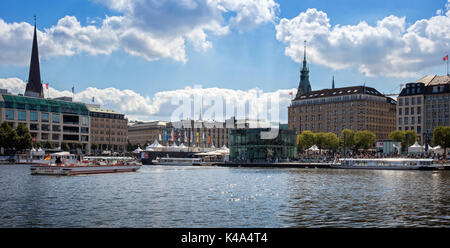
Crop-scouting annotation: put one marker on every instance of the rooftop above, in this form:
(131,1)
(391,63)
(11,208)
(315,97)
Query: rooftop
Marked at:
(340,92)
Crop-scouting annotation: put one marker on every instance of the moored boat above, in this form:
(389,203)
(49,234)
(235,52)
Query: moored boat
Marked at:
(89,165)
(390,164)
(178,161)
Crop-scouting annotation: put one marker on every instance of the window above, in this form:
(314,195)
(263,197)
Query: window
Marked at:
(419,100)
(22,115)
(406,111)
(406,101)
(413,101)
(400,111)
(55,118)
(9,114)
(400,121)
(406,121)
(33,116)
(84,120)
(44,117)
(400,102)
(412,110)
(419,110)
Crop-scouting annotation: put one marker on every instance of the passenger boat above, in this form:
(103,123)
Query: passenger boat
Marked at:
(390,164)
(178,161)
(88,165)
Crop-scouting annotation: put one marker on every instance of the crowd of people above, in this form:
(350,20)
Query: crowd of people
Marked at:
(326,156)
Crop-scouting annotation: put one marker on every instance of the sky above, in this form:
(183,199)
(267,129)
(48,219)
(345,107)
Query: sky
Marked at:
(139,56)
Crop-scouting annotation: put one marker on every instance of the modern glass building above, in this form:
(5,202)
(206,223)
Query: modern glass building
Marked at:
(246,145)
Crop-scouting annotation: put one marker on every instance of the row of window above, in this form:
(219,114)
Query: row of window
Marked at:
(44,117)
(409,111)
(407,100)
(405,120)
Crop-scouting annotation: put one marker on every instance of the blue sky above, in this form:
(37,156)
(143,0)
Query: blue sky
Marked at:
(250,55)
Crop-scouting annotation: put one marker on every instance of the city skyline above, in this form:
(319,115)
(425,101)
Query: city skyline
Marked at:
(234,49)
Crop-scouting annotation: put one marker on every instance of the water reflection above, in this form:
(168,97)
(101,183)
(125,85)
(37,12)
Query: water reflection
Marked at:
(158,196)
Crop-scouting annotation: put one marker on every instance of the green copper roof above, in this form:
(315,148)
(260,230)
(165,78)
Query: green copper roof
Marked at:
(33,103)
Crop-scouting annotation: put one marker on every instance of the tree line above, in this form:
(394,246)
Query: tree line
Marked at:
(349,139)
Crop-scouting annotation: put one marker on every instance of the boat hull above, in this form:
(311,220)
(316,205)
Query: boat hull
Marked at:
(80,170)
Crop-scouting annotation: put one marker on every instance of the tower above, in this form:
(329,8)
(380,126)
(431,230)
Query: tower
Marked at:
(332,84)
(34,86)
(304,87)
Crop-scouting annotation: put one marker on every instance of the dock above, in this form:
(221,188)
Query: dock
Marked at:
(276,165)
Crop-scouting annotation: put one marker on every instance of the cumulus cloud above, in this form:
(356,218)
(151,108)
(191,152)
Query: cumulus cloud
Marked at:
(389,48)
(146,28)
(215,103)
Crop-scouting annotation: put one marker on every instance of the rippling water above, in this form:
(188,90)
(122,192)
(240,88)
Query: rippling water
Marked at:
(158,196)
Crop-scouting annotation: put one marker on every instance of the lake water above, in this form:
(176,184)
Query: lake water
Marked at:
(163,196)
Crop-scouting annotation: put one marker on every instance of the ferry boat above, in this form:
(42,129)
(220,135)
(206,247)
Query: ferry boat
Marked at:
(390,164)
(89,165)
(178,161)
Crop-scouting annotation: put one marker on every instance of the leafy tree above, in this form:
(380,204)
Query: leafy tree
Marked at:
(412,137)
(8,136)
(365,139)
(397,135)
(347,138)
(23,139)
(441,137)
(49,145)
(320,140)
(306,140)
(331,141)
(65,146)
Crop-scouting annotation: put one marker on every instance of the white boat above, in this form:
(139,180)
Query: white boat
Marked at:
(178,161)
(389,164)
(88,165)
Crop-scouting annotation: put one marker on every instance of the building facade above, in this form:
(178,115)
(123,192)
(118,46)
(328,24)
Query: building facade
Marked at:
(423,105)
(108,130)
(246,145)
(48,120)
(333,110)
(191,133)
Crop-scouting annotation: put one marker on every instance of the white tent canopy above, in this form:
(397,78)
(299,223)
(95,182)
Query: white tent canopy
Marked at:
(416,148)
(313,148)
(138,150)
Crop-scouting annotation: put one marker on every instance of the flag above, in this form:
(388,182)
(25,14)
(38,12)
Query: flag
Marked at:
(47,158)
(46,86)
(159,137)
(290,93)
(445,58)
(73,89)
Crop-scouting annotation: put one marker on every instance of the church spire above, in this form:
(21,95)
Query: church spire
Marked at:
(332,85)
(304,86)
(34,86)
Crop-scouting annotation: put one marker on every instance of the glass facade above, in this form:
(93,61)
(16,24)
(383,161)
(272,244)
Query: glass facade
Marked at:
(246,145)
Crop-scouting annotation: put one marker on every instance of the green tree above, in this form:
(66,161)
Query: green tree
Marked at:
(320,140)
(8,136)
(306,140)
(365,139)
(397,135)
(23,139)
(65,146)
(49,145)
(441,137)
(331,141)
(412,137)
(347,138)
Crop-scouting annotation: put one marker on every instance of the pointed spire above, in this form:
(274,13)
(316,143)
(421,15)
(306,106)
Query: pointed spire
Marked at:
(34,86)
(332,86)
(304,86)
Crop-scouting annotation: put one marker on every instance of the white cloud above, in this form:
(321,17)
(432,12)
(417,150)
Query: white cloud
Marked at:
(152,29)
(160,106)
(389,48)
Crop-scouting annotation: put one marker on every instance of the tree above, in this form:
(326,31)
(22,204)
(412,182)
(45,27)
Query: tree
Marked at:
(65,146)
(331,140)
(306,140)
(412,137)
(320,140)
(347,138)
(8,136)
(400,136)
(441,137)
(397,135)
(23,139)
(49,145)
(365,139)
